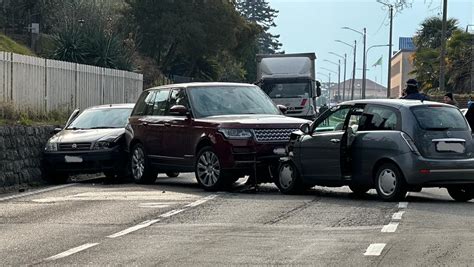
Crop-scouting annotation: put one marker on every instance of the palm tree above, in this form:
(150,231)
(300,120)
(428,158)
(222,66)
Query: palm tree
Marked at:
(429,35)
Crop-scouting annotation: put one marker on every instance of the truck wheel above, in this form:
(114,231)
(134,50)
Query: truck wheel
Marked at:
(141,169)
(389,183)
(289,180)
(209,174)
(461,193)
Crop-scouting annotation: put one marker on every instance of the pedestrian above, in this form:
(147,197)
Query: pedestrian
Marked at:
(470,117)
(412,92)
(323,108)
(449,99)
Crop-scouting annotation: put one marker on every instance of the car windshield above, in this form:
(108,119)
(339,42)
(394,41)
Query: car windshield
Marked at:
(439,118)
(230,100)
(287,90)
(101,118)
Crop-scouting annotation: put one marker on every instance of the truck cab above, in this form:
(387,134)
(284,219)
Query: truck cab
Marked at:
(289,80)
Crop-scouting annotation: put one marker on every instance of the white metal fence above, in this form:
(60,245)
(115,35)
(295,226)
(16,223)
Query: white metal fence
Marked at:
(43,85)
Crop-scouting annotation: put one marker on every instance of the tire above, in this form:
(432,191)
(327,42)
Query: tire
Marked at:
(172,174)
(358,189)
(53,177)
(141,170)
(461,194)
(209,174)
(390,183)
(289,180)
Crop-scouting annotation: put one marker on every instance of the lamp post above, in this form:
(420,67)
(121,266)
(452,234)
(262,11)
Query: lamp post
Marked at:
(338,77)
(354,66)
(345,66)
(364,59)
(389,76)
(329,88)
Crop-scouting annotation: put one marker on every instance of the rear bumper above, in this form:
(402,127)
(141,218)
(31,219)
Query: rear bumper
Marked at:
(432,172)
(91,161)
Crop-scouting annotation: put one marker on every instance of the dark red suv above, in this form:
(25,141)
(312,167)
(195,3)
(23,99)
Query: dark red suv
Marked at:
(220,131)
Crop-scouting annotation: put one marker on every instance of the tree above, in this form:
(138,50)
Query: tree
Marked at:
(259,12)
(460,60)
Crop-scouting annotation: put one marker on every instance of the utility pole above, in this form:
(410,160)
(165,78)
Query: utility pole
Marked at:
(354,70)
(344,86)
(442,63)
(389,76)
(364,65)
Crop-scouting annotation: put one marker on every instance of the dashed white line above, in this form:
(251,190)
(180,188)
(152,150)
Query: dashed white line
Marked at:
(397,216)
(390,228)
(35,192)
(200,201)
(402,205)
(71,251)
(171,213)
(375,249)
(134,228)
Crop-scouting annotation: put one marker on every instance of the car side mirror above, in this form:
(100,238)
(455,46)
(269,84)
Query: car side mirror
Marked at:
(282,108)
(179,110)
(305,128)
(318,88)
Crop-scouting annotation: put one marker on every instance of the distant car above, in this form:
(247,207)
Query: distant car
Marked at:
(92,141)
(393,146)
(220,131)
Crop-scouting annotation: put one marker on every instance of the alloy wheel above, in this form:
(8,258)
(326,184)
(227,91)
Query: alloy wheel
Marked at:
(208,169)
(138,163)
(286,176)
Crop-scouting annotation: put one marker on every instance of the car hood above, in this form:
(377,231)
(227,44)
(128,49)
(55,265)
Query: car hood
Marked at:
(83,136)
(255,121)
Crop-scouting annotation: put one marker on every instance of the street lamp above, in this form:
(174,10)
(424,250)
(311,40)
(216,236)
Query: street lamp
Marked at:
(338,76)
(389,76)
(354,66)
(345,63)
(364,59)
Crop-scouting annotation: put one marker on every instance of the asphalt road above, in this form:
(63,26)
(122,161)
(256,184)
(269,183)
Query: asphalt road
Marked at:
(175,223)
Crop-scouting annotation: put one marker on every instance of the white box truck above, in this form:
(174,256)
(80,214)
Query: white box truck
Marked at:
(289,80)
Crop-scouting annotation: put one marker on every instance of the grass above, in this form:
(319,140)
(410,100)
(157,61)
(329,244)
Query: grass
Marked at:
(9,116)
(8,45)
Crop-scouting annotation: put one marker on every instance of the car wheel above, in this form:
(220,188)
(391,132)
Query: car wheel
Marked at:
(54,177)
(172,174)
(288,179)
(359,189)
(209,174)
(389,183)
(141,169)
(461,193)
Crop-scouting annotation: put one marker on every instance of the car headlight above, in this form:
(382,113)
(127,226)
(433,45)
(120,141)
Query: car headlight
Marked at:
(102,145)
(236,133)
(51,146)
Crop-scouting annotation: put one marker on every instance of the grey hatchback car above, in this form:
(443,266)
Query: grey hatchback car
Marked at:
(394,146)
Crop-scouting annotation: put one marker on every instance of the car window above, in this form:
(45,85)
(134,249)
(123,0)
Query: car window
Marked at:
(144,103)
(335,121)
(439,118)
(177,97)
(378,118)
(101,118)
(160,102)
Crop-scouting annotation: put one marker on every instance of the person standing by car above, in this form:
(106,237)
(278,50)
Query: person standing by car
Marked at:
(470,116)
(323,108)
(449,99)
(412,92)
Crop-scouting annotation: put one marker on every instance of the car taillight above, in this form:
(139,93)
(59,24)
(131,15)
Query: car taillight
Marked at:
(424,171)
(410,143)
(303,102)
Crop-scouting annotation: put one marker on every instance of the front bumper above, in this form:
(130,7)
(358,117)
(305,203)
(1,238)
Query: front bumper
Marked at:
(84,161)
(435,172)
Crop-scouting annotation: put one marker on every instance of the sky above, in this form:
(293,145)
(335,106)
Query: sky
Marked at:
(314,25)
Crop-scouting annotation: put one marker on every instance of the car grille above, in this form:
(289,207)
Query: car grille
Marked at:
(273,135)
(74,146)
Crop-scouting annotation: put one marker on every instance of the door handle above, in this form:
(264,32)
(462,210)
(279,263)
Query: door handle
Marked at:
(335,141)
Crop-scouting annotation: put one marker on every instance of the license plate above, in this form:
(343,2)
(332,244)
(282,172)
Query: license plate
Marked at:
(279,151)
(72,159)
(450,147)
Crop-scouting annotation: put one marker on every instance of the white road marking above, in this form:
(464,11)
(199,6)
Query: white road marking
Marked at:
(200,201)
(402,205)
(390,228)
(397,216)
(134,228)
(171,213)
(156,205)
(72,251)
(375,249)
(35,192)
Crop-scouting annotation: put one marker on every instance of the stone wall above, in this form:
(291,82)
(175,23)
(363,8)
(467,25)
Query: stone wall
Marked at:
(20,155)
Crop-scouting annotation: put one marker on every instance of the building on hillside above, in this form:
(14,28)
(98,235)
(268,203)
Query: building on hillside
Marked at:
(373,90)
(402,66)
